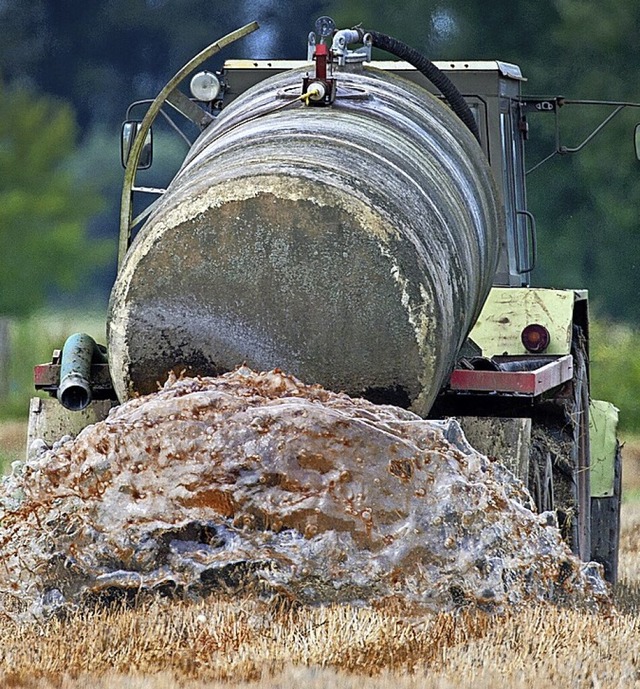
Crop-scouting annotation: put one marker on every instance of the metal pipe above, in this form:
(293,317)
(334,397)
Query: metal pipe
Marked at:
(344,38)
(78,353)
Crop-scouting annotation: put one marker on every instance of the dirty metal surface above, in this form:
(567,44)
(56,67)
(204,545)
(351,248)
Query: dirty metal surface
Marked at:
(603,426)
(352,246)
(508,310)
(49,421)
(508,439)
(256,482)
(532,383)
(46,377)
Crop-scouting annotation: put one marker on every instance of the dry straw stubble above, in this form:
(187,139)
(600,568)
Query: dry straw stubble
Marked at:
(246,643)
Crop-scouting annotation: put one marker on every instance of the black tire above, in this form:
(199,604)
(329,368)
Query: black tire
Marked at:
(605,526)
(541,482)
(581,451)
(560,436)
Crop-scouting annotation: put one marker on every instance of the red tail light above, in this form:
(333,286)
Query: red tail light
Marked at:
(535,338)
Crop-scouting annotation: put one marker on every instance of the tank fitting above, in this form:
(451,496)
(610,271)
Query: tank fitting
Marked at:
(320,89)
(341,42)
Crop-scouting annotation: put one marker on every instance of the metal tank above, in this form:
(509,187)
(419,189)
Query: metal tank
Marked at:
(352,245)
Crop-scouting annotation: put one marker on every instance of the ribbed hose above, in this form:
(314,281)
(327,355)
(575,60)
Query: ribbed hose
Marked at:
(436,76)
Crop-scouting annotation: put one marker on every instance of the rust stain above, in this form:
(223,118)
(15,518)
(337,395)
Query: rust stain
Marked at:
(219,501)
(402,468)
(315,461)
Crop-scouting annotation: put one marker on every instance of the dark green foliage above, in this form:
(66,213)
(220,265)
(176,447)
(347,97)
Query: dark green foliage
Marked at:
(586,205)
(101,56)
(43,210)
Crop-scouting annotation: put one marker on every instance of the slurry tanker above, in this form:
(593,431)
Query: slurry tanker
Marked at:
(362,225)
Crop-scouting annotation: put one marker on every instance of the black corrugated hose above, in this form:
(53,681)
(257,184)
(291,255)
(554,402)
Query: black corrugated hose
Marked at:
(436,76)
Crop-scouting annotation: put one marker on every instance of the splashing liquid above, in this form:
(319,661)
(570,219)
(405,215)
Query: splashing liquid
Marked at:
(255,481)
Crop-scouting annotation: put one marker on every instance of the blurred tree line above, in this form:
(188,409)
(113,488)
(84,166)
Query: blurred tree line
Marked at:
(59,183)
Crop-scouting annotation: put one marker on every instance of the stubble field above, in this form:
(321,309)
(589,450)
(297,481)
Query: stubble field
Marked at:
(245,643)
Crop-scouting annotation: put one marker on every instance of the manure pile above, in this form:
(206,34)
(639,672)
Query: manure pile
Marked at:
(255,482)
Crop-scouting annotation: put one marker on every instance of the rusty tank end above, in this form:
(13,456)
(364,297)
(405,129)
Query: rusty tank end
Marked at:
(352,246)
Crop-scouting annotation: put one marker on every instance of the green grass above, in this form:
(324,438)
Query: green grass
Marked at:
(615,370)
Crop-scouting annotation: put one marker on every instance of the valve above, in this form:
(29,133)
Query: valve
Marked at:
(339,53)
(320,89)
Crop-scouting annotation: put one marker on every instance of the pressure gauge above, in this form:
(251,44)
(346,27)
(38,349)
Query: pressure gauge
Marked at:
(205,86)
(325,27)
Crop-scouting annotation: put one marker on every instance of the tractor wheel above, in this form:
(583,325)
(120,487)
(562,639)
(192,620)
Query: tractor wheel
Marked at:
(605,526)
(559,460)
(541,478)
(581,451)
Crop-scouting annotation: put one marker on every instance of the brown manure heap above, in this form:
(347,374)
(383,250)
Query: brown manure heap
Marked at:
(256,482)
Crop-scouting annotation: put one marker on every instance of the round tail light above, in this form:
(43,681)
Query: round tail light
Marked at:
(535,338)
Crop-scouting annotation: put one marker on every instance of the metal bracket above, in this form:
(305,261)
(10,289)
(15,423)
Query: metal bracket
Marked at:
(553,105)
(186,107)
(544,105)
(340,47)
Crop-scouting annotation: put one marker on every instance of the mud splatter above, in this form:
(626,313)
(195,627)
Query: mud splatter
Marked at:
(256,481)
